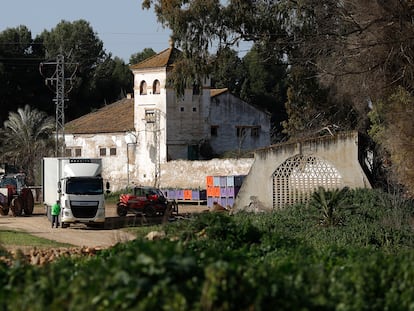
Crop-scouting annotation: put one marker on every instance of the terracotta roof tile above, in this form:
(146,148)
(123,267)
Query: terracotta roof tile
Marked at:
(163,59)
(116,117)
(216,92)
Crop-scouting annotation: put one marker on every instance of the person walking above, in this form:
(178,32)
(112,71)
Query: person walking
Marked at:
(55,214)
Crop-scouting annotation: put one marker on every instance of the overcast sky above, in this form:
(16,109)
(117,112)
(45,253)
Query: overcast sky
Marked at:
(123,26)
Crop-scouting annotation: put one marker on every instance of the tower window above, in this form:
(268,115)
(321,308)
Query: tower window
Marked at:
(156,88)
(150,116)
(143,88)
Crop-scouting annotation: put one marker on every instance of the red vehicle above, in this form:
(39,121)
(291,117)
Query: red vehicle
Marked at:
(146,200)
(14,195)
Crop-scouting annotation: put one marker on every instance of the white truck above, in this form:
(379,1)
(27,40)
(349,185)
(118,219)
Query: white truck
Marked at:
(78,185)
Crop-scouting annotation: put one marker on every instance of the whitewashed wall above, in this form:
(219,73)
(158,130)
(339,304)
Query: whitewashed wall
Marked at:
(114,167)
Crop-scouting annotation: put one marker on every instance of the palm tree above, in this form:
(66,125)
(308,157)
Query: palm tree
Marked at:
(329,202)
(26,138)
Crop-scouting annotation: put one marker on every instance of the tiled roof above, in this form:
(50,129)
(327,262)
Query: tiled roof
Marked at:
(113,118)
(116,117)
(216,92)
(163,59)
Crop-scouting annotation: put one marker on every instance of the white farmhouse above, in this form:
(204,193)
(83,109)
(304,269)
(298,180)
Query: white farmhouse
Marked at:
(135,135)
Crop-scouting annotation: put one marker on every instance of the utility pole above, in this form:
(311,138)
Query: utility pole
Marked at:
(58,81)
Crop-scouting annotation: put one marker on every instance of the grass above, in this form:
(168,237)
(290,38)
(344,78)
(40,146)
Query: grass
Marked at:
(21,238)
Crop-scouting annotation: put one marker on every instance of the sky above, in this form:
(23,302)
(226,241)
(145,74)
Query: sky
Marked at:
(122,25)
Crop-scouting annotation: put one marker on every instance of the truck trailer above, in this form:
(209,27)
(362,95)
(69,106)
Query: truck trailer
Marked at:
(78,186)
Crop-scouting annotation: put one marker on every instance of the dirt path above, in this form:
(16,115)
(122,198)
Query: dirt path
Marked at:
(77,235)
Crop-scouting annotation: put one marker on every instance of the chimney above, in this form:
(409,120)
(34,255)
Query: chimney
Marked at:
(171,42)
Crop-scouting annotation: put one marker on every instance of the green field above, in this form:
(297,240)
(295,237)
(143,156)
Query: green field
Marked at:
(350,250)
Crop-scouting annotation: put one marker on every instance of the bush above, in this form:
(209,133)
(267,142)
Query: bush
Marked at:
(282,260)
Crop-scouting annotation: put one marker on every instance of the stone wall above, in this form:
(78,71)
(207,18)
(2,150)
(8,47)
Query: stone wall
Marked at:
(183,174)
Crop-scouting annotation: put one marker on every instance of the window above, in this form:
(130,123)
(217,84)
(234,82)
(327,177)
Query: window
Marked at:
(240,131)
(112,151)
(150,116)
(182,109)
(70,152)
(214,130)
(194,109)
(255,131)
(156,88)
(102,152)
(143,88)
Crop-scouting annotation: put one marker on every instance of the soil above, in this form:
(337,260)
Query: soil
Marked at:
(81,235)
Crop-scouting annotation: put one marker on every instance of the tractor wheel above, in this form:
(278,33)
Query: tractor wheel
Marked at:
(4,210)
(149,210)
(28,202)
(17,206)
(121,210)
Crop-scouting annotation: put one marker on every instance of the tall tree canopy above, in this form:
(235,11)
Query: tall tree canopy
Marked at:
(140,56)
(95,83)
(100,79)
(344,57)
(26,138)
(20,81)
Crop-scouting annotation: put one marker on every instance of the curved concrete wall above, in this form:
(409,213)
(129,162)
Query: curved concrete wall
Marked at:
(341,151)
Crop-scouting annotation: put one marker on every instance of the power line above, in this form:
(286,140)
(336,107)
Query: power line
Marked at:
(59,80)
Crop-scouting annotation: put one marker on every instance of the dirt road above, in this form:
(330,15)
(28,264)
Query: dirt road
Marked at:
(77,235)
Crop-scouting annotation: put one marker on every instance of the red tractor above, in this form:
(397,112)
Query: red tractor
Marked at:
(144,200)
(14,195)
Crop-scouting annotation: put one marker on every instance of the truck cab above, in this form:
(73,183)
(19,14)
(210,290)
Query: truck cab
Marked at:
(78,185)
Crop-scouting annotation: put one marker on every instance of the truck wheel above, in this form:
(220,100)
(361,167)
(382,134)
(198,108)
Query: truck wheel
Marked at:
(17,206)
(64,225)
(28,202)
(149,210)
(121,210)
(4,210)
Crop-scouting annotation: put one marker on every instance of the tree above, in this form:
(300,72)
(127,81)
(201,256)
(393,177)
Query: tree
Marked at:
(111,80)
(227,71)
(80,45)
(20,81)
(140,56)
(393,130)
(344,57)
(27,138)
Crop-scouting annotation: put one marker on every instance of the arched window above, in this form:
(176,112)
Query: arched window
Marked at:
(156,88)
(143,88)
(298,177)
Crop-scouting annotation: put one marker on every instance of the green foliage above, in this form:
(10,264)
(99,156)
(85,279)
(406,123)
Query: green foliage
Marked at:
(26,138)
(281,260)
(329,202)
(392,128)
(141,56)
(16,238)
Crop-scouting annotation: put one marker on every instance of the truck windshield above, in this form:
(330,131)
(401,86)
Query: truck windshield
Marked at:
(84,186)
